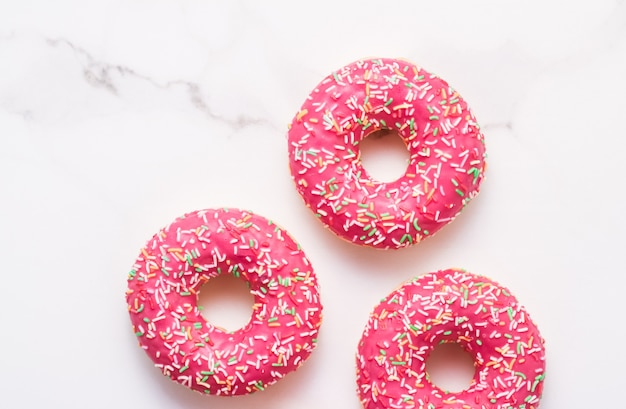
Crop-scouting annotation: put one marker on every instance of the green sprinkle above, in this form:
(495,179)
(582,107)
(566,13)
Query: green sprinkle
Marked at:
(416,226)
(459,192)
(398,363)
(146,319)
(383,352)
(474,171)
(197,325)
(389,101)
(183,369)
(165,271)
(433,117)
(383,123)
(479,342)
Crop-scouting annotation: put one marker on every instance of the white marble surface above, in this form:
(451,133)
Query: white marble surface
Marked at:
(117,116)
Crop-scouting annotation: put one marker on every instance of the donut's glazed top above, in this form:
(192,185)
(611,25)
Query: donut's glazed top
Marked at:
(445,145)
(162,302)
(450,306)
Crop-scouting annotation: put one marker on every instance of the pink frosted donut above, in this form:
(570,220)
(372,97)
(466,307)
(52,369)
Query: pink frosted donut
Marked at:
(162,302)
(450,306)
(446,150)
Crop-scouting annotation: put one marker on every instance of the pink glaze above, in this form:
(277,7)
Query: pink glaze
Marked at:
(162,302)
(446,150)
(450,306)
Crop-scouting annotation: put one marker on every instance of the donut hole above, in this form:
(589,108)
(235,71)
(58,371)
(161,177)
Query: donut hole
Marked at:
(225,301)
(384,155)
(450,367)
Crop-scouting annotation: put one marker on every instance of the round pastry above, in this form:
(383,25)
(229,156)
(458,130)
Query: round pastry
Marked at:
(481,316)
(446,147)
(162,302)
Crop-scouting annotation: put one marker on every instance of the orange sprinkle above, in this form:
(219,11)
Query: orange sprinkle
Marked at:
(401,106)
(301,114)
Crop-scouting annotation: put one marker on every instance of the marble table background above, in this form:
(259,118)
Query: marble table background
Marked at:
(117,116)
